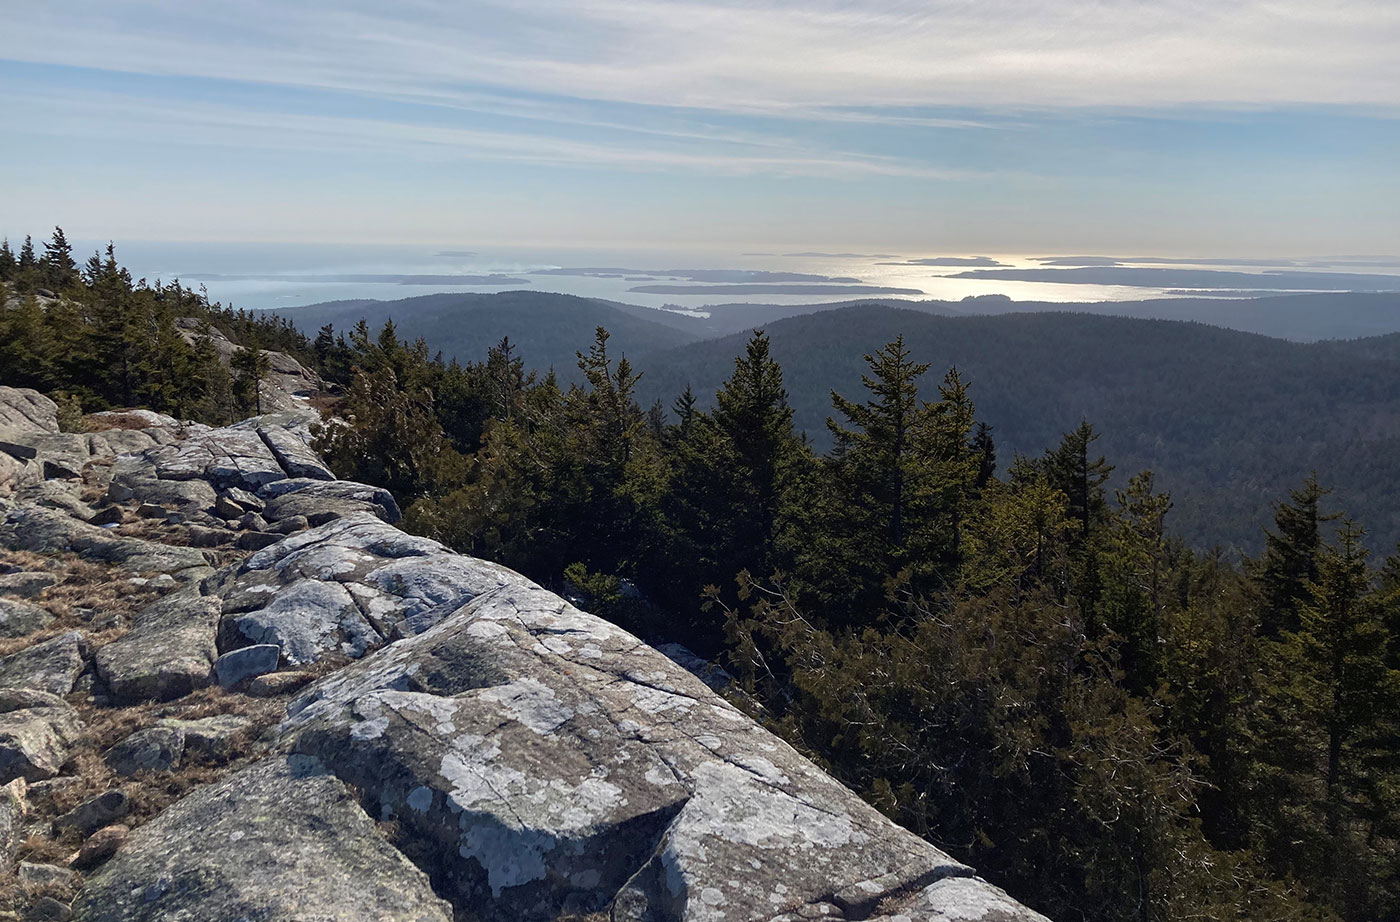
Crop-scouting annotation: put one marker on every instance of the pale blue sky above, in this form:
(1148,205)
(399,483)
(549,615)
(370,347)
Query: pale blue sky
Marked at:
(1163,126)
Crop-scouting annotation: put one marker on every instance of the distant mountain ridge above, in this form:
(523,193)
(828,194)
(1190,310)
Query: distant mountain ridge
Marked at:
(1230,421)
(548,329)
(1299,317)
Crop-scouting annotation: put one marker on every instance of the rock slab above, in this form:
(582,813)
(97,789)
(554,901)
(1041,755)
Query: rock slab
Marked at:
(283,840)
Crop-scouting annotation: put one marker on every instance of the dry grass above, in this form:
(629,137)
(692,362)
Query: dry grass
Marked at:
(324,402)
(148,793)
(16,896)
(85,591)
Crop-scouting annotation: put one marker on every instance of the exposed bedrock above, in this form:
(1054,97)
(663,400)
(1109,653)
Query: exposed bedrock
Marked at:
(470,746)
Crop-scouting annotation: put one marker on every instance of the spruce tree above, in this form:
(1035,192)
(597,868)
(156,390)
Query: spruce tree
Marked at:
(899,480)
(1081,476)
(249,367)
(57,267)
(685,411)
(1290,558)
(9,265)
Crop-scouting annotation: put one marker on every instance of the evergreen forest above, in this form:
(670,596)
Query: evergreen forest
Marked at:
(1002,651)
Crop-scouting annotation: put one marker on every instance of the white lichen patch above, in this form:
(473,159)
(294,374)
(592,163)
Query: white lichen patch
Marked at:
(732,805)
(761,767)
(656,701)
(531,703)
(510,857)
(484,629)
(552,644)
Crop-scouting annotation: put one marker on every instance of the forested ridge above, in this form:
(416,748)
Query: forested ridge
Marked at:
(1228,420)
(1002,651)
(94,338)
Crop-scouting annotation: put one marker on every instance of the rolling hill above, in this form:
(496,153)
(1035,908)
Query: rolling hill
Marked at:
(1229,421)
(547,328)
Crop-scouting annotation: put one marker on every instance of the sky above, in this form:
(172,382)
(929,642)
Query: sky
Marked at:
(1172,127)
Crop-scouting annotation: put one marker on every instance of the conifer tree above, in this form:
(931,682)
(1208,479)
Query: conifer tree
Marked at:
(685,411)
(737,467)
(57,267)
(900,478)
(1081,476)
(249,367)
(1325,737)
(1290,558)
(9,265)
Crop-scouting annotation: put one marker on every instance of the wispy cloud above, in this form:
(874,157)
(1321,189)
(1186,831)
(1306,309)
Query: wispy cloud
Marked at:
(119,117)
(767,56)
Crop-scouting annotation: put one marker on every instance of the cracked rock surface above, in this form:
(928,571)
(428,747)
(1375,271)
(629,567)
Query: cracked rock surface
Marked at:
(470,745)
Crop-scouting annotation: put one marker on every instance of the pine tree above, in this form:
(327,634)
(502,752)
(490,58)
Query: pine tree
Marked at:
(57,268)
(9,265)
(250,367)
(1080,476)
(900,479)
(1136,564)
(27,268)
(737,467)
(685,411)
(1290,558)
(1326,739)
(985,451)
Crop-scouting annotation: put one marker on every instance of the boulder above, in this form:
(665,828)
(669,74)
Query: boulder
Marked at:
(962,899)
(136,420)
(291,525)
(34,528)
(345,588)
(111,515)
(308,498)
(201,536)
(211,738)
(256,540)
(15,474)
(95,812)
(135,477)
(541,761)
(19,619)
(101,845)
(63,495)
(48,909)
(51,666)
(46,875)
(227,508)
(26,584)
(155,749)
(306,619)
(279,841)
(25,410)
(168,653)
(247,502)
(14,804)
(293,454)
(279,683)
(113,442)
(35,740)
(246,662)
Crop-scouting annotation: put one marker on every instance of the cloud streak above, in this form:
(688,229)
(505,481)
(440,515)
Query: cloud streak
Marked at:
(766,56)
